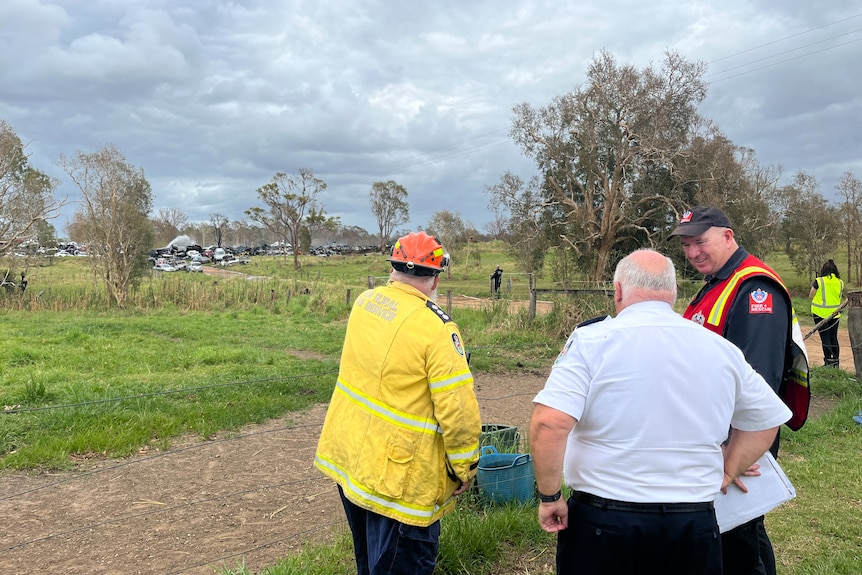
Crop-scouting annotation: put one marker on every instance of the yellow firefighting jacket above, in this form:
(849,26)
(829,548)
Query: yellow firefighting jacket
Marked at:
(402,429)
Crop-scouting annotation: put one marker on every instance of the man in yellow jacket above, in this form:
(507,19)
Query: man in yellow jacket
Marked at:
(401,436)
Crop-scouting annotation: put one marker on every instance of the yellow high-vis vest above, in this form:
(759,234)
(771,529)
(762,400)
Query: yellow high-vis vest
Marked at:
(827,298)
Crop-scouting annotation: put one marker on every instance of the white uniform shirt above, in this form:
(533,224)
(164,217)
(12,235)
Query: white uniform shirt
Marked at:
(654,394)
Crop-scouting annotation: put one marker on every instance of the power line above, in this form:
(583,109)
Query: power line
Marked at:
(785,38)
(789,50)
(783,61)
(420,161)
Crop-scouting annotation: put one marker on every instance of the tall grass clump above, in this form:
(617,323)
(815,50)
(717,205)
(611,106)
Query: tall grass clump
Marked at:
(485,539)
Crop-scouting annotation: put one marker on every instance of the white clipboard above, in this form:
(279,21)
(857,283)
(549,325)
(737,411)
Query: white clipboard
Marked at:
(765,493)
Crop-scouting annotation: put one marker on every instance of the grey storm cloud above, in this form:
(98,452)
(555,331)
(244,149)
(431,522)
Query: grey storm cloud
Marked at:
(213,98)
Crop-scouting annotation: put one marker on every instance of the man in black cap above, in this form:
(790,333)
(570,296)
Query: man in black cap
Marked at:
(746,302)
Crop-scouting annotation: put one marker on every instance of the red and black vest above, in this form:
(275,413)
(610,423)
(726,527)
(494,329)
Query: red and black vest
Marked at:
(712,309)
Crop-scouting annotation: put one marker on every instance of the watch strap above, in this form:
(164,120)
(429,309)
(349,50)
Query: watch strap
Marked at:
(550,498)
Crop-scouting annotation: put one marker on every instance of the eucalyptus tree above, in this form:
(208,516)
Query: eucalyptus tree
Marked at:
(219,223)
(850,190)
(390,208)
(317,221)
(26,194)
(594,144)
(522,219)
(811,226)
(113,218)
(288,198)
(714,171)
(167,224)
(453,232)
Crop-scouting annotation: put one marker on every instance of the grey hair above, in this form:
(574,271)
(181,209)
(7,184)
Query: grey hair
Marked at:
(630,274)
(419,282)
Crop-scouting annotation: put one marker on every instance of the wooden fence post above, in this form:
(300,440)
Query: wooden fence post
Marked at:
(854,328)
(532,304)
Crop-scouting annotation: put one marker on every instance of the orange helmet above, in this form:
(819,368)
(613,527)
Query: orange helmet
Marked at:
(419,254)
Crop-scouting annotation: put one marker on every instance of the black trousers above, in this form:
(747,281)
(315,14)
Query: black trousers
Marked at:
(665,540)
(747,550)
(828,333)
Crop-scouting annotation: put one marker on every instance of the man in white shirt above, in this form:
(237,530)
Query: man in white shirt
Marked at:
(634,415)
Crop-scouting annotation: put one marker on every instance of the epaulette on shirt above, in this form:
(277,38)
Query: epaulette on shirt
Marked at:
(445,317)
(573,337)
(592,321)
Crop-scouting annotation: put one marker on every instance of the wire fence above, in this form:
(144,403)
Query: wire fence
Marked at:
(255,494)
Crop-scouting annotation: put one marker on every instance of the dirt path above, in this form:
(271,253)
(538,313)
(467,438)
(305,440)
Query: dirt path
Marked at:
(254,496)
(815,351)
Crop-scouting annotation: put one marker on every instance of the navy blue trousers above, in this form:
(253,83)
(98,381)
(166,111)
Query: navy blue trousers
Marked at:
(611,542)
(383,546)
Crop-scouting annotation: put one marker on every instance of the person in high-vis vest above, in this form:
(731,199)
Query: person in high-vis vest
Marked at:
(746,302)
(826,293)
(401,434)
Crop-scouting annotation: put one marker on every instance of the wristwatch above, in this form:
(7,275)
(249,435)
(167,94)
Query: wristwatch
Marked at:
(550,498)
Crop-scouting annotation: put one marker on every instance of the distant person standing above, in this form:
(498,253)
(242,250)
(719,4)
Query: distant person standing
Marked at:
(496,280)
(825,294)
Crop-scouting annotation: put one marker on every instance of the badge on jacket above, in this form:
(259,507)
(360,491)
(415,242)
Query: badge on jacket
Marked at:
(456,341)
(760,301)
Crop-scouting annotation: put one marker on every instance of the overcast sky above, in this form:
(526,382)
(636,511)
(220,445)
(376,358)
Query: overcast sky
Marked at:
(212,98)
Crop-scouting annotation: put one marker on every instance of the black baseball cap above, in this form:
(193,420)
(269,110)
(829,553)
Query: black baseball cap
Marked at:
(699,219)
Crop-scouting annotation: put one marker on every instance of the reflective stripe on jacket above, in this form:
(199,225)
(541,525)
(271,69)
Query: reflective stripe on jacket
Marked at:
(402,429)
(711,310)
(827,298)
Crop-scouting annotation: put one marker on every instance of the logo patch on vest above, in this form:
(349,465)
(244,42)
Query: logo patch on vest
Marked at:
(699,318)
(457,342)
(760,301)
